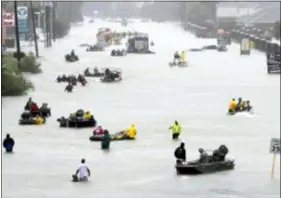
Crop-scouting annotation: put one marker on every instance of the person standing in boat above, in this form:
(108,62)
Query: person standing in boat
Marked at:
(180,154)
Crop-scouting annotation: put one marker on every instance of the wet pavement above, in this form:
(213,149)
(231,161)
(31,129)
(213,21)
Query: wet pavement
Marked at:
(151,96)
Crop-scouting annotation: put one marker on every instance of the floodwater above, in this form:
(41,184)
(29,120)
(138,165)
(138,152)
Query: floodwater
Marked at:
(151,96)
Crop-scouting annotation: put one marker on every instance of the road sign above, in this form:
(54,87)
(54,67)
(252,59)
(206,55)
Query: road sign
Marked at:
(23,26)
(274,146)
(22,12)
(8,19)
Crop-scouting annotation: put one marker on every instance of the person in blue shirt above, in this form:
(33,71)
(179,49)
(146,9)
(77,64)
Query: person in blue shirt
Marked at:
(8,144)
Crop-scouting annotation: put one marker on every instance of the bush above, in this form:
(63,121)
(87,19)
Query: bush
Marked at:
(61,28)
(14,84)
(29,64)
(10,64)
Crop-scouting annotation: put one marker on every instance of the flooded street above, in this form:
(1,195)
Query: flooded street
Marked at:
(152,95)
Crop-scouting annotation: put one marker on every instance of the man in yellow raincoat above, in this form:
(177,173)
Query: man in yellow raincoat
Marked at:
(131,132)
(38,120)
(232,106)
(182,56)
(176,130)
(87,115)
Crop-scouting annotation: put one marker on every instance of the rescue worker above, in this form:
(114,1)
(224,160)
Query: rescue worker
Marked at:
(105,142)
(180,154)
(38,120)
(182,56)
(248,106)
(232,106)
(239,105)
(28,104)
(176,57)
(87,115)
(72,53)
(8,143)
(69,87)
(131,132)
(176,130)
(203,158)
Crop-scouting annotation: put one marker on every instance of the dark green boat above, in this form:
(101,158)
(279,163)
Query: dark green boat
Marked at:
(193,167)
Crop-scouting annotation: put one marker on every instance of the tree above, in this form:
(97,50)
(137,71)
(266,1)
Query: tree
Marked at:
(277,30)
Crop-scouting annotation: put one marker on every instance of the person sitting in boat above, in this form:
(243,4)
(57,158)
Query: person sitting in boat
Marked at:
(98,131)
(38,120)
(25,115)
(106,139)
(72,53)
(28,104)
(87,71)
(182,56)
(203,158)
(87,115)
(220,153)
(131,132)
(34,107)
(8,143)
(44,106)
(247,106)
(232,106)
(180,153)
(176,130)
(239,105)
(176,56)
(96,71)
(109,74)
(68,87)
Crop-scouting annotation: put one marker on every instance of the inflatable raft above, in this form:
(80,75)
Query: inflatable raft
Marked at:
(89,74)
(30,121)
(77,123)
(239,112)
(193,167)
(115,137)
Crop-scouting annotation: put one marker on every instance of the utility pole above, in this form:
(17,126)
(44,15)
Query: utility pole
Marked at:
(34,30)
(54,21)
(17,32)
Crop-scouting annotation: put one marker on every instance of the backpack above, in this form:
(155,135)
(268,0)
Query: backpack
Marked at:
(178,152)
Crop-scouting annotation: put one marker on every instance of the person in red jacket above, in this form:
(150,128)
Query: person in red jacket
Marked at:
(34,107)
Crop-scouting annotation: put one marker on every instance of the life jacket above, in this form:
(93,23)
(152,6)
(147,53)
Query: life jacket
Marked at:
(176,129)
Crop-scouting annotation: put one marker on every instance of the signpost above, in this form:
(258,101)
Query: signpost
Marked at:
(8,19)
(22,12)
(274,148)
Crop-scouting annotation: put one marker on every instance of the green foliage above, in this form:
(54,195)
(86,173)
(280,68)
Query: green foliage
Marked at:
(29,64)
(61,28)
(10,64)
(13,82)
